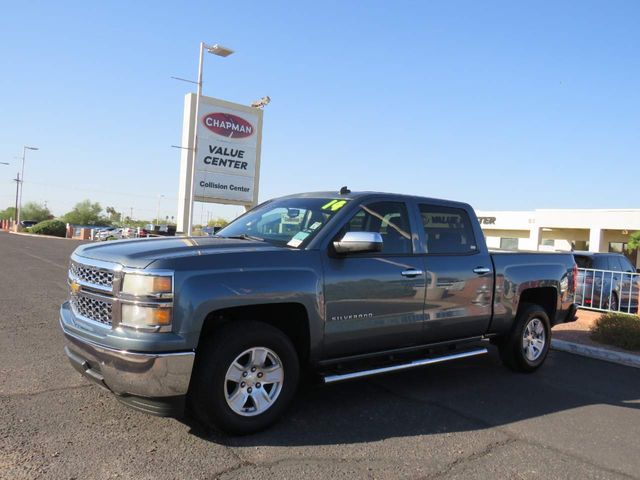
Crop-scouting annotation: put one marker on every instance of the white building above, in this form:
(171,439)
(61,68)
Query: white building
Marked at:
(598,230)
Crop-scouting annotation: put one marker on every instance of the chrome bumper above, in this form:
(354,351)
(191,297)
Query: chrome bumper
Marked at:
(127,373)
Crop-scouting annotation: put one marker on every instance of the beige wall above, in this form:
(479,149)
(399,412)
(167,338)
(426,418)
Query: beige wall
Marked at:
(599,227)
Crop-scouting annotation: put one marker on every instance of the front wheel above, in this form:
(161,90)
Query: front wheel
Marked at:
(526,347)
(245,377)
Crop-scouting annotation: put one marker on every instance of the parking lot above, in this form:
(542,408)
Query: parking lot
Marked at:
(575,418)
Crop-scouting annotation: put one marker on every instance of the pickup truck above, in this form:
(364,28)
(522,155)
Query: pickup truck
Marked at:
(330,285)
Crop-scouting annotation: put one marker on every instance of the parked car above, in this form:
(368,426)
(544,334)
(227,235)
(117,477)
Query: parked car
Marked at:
(108,233)
(331,283)
(607,281)
(128,232)
(27,223)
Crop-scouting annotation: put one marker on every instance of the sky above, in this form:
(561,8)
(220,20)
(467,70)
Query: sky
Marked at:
(505,105)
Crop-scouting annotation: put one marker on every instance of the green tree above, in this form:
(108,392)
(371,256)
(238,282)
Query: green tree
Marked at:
(114,216)
(218,222)
(8,213)
(634,242)
(36,212)
(85,213)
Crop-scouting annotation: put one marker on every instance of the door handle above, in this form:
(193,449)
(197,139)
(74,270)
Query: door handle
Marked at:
(412,272)
(481,270)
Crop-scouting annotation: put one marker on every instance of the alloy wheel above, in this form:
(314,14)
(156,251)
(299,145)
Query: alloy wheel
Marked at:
(253,381)
(534,339)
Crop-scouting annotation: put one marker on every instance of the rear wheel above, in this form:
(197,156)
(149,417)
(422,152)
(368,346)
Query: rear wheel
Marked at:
(526,347)
(245,377)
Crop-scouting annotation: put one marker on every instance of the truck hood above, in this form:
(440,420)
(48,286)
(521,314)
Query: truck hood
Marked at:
(140,253)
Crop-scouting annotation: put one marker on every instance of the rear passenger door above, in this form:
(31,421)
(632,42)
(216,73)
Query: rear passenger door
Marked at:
(459,275)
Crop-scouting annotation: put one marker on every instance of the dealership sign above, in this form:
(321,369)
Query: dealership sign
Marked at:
(228,125)
(227,153)
(227,157)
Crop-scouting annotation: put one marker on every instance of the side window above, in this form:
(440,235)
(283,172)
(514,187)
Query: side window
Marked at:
(583,262)
(627,266)
(601,263)
(447,230)
(390,220)
(614,263)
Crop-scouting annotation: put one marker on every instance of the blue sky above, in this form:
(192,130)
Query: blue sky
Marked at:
(506,105)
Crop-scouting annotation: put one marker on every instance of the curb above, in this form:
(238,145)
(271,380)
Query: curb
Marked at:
(621,358)
(40,236)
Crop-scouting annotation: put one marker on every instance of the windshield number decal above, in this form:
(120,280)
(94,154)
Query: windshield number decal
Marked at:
(334,205)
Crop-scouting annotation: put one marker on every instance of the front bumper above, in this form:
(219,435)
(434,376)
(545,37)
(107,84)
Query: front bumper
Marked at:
(150,375)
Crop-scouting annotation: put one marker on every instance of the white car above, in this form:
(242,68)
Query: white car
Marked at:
(107,233)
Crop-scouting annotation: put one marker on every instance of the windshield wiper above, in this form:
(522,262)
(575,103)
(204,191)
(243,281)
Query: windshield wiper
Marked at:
(244,236)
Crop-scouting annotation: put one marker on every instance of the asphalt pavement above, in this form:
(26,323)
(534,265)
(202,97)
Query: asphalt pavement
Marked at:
(574,418)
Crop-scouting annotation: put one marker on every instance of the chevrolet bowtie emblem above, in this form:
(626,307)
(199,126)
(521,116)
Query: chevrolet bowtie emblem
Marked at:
(75,287)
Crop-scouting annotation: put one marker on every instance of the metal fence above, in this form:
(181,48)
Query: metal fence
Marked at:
(608,290)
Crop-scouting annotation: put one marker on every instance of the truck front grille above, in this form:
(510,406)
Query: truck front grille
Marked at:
(92,308)
(103,279)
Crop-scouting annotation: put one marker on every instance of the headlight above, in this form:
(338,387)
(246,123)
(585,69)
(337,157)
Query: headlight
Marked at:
(153,312)
(138,316)
(147,285)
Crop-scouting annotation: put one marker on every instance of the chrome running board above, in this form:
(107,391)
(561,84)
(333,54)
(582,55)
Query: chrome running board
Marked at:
(403,366)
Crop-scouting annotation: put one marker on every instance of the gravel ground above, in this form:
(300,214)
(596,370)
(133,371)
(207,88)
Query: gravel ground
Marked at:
(574,418)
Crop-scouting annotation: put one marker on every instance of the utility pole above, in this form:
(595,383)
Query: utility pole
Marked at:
(15,212)
(131,214)
(21,181)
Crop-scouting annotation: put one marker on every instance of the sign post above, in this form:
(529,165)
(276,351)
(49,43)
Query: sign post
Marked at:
(226,159)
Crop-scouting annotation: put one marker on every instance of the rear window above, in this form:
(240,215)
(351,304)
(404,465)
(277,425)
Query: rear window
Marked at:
(583,262)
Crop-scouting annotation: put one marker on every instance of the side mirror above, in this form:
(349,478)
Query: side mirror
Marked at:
(358,242)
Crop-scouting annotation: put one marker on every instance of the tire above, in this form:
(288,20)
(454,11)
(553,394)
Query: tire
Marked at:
(526,347)
(251,353)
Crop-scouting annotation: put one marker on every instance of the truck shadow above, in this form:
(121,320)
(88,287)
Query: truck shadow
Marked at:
(467,395)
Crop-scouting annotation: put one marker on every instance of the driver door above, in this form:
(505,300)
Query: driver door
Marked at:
(375,301)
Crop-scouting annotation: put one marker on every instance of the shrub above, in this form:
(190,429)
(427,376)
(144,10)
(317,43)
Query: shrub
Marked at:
(617,329)
(50,227)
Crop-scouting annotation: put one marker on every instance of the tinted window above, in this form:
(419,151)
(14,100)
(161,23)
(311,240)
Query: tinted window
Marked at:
(447,230)
(583,262)
(601,263)
(627,266)
(390,220)
(614,263)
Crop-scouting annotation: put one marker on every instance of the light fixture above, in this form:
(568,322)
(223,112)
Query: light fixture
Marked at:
(219,50)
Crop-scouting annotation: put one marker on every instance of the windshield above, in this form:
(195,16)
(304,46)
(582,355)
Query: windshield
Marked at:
(290,222)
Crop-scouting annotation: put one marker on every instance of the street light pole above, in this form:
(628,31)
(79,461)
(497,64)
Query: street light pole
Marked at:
(195,142)
(21,181)
(221,52)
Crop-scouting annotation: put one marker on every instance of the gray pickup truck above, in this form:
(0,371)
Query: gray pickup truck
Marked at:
(335,285)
